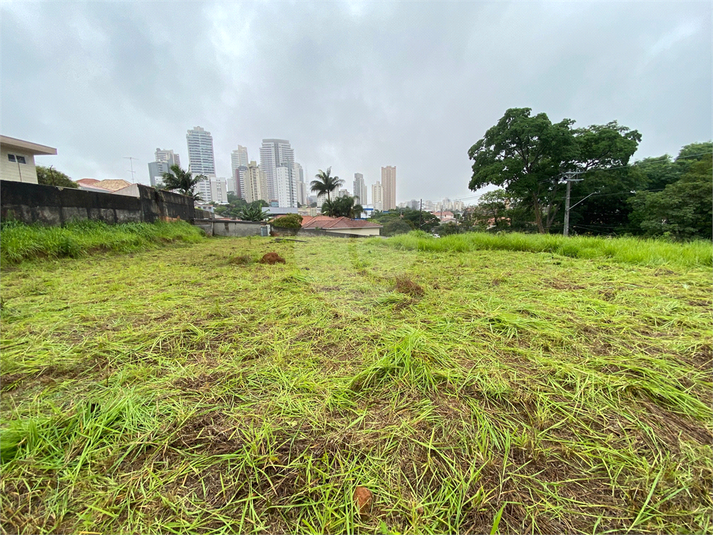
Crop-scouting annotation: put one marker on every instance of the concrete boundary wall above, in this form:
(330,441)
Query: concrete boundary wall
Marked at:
(236,229)
(51,205)
(276,231)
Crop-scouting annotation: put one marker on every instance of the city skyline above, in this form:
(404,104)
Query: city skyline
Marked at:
(410,85)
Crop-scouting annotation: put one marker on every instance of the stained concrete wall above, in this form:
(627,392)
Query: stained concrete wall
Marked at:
(51,205)
(235,229)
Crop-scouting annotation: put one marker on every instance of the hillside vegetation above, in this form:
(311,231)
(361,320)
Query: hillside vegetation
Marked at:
(193,390)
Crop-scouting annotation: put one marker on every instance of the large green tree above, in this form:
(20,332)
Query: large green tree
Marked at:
(182,181)
(528,156)
(683,209)
(49,176)
(492,208)
(325,183)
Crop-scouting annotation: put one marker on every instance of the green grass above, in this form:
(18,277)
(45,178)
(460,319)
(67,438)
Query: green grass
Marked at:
(182,391)
(627,250)
(25,242)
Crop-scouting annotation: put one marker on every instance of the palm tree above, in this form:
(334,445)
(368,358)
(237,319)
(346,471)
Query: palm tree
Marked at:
(325,183)
(183,181)
(253,212)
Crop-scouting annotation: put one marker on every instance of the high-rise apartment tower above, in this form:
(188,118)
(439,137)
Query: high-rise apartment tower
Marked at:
(360,189)
(168,156)
(239,161)
(276,153)
(201,160)
(388,183)
(377,196)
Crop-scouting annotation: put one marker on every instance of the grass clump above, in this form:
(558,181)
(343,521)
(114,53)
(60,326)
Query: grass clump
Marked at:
(626,250)
(26,242)
(272,259)
(241,260)
(170,392)
(406,286)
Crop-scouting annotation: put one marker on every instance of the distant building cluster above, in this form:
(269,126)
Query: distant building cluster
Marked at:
(442,209)
(278,179)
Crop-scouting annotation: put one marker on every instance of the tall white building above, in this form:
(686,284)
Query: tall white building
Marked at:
(219,190)
(238,160)
(298,180)
(203,189)
(276,153)
(360,189)
(285,187)
(255,183)
(377,196)
(201,160)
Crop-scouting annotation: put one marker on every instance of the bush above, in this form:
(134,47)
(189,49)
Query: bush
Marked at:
(396,226)
(49,176)
(289,221)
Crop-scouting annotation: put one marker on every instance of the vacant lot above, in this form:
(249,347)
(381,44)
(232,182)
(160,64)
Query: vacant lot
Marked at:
(192,389)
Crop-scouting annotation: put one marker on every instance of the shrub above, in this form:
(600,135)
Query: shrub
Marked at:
(289,221)
(396,226)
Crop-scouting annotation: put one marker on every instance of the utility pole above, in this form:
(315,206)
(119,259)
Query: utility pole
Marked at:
(131,161)
(420,215)
(569,180)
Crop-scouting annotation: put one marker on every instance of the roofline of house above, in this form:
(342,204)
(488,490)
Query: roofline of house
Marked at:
(33,148)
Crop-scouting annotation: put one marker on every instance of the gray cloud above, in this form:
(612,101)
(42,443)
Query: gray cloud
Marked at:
(351,85)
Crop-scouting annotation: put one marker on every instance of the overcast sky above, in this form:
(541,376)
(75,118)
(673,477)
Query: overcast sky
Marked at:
(355,86)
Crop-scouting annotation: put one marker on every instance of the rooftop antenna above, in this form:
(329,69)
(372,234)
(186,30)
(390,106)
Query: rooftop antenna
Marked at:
(131,161)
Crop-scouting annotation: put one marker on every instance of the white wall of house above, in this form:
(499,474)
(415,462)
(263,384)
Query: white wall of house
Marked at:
(373,231)
(17,171)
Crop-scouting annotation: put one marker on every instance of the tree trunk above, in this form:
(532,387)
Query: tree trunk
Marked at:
(538,214)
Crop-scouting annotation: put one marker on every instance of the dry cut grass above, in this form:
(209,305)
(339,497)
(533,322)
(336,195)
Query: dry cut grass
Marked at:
(194,389)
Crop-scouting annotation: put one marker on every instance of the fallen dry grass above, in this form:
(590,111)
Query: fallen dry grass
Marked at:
(177,391)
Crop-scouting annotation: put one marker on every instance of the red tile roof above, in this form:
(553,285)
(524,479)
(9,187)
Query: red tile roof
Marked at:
(326,222)
(109,184)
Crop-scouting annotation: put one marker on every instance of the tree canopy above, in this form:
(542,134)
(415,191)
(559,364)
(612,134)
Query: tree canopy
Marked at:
(49,176)
(288,221)
(183,181)
(527,155)
(683,208)
(342,207)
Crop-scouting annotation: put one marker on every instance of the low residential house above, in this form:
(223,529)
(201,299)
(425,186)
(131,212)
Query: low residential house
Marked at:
(17,159)
(445,217)
(342,225)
